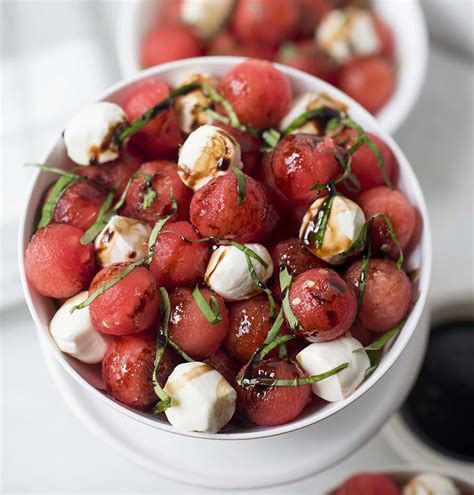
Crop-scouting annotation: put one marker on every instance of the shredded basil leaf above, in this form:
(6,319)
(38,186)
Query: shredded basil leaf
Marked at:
(296,382)
(210,311)
(241,185)
(161,223)
(110,283)
(180,351)
(316,236)
(54,170)
(161,343)
(140,122)
(102,218)
(285,283)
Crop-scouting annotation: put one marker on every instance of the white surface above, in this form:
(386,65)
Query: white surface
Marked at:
(41,442)
(418,258)
(405,17)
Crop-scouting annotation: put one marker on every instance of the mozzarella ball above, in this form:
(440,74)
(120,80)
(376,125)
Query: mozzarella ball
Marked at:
(346,33)
(190,108)
(228,272)
(123,239)
(74,333)
(320,357)
(206,17)
(208,152)
(89,136)
(313,100)
(202,399)
(430,484)
(345,222)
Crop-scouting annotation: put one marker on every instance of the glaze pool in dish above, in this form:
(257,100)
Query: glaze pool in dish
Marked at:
(230,210)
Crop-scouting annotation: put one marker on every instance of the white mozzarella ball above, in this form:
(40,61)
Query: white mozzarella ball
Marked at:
(89,135)
(123,239)
(430,484)
(206,17)
(320,357)
(207,153)
(74,333)
(191,108)
(345,223)
(228,274)
(201,398)
(313,100)
(346,33)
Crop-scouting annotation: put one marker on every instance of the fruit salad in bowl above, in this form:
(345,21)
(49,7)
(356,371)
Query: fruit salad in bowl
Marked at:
(374,51)
(226,248)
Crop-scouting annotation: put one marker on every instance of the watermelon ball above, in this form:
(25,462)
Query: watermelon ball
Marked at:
(364,164)
(370,81)
(267,22)
(272,406)
(161,137)
(190,329)
(323,303)
(295,257)
(368,484)
(225,43)
(259,93)
(56,263)
(306,56)
(114,174)
(311,13)
(164,179)
(130,306)
(387,296)
(249,324)
(128,366)
(215,210)
(166,44)
(399,211)
(302,160)
(225,364)
(80,204)
(177,262)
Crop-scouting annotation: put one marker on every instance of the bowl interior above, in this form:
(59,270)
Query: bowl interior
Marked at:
(406,20)
(43,308)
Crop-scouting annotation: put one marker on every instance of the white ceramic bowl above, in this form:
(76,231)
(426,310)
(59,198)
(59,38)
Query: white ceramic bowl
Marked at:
(42,308)
(405,17)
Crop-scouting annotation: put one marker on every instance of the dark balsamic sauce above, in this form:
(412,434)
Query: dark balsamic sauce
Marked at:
(440,408)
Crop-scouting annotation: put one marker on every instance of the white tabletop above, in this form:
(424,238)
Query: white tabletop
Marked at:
(43,446)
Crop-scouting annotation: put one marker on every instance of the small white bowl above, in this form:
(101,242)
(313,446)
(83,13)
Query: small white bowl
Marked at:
(403,474)
(43,308)
(406,19)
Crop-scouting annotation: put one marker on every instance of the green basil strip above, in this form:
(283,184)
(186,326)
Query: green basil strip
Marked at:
(296,382)
(261,285)
(154,111)
(302,119)
(180,351)
(372,349)
(211,312)
(363,138)
(246,250)
(54,170)
(392,235)
(271,137)
(102,218)
(161,343)
(110,283)
(241,185)
(364,268)
(285,283)
(217,98)
(161,223)
(61,186)
(317,235)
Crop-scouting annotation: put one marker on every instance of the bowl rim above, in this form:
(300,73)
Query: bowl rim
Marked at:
(391,116)
(400,342)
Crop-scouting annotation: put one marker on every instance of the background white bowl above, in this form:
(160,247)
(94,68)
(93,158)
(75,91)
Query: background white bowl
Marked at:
(42,308)
(405,17)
